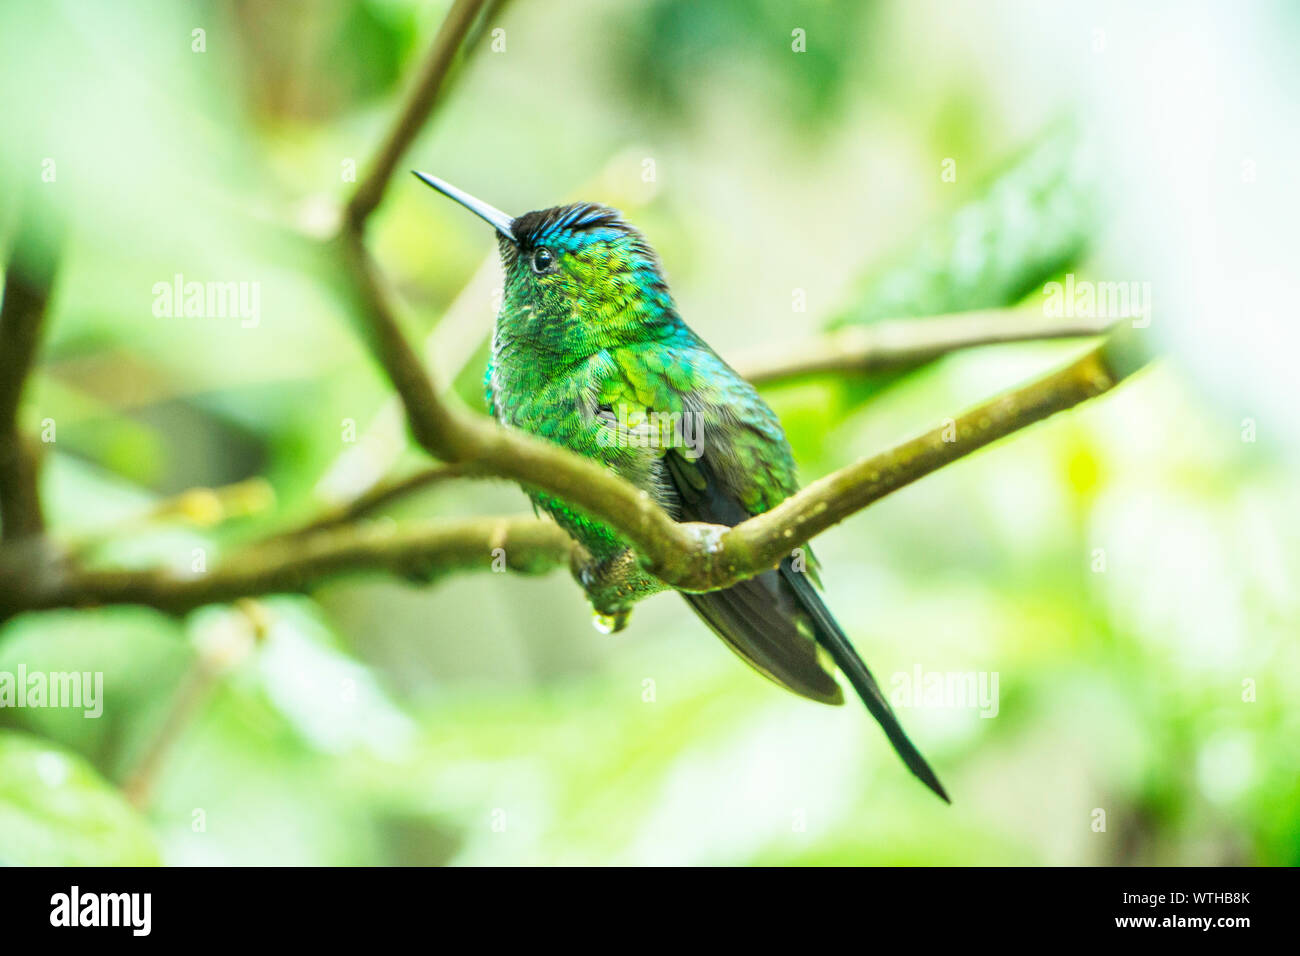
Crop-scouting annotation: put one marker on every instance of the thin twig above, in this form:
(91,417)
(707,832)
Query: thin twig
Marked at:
(227,641)
(421,551)
(903,343)
(381,496)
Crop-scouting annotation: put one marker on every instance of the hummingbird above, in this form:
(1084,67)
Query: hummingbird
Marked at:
(589,352)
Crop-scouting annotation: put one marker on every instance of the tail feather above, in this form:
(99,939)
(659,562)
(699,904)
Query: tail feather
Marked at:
(847,660)
(751,619)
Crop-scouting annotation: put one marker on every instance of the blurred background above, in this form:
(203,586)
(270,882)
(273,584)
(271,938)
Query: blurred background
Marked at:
(1126,569)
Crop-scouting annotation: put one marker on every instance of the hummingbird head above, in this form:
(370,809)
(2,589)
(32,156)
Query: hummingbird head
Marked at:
(578,278)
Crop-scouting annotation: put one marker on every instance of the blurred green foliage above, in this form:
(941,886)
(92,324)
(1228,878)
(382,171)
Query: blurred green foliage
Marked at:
(483,720)
(671,48)
(55,810)
(1028,225)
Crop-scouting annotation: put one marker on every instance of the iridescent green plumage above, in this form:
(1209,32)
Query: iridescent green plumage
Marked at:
(590,353)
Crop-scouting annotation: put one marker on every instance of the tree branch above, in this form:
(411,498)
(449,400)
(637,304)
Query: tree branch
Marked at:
(705,557)
(381,496)
(420,551)
(762,541)
(887,346)
(419,104)
(28,280)
(694,557)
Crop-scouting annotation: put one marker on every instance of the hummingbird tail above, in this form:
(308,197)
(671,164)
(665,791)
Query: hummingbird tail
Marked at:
(764,619)
(833,639)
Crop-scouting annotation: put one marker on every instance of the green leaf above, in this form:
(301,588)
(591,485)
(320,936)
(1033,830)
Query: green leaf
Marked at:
(55,810)
(1033,221)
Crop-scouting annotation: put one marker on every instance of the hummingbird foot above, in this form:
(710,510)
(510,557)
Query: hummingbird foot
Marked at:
(613,585)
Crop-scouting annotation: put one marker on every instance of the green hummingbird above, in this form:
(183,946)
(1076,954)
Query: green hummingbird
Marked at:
(589,352)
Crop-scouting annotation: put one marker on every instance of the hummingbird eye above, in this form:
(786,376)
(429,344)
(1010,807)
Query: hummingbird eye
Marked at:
(543,260)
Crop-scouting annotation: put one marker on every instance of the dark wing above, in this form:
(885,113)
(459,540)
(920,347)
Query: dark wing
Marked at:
(759,618)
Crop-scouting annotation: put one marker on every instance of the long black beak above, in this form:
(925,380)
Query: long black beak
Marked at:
(496,217)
